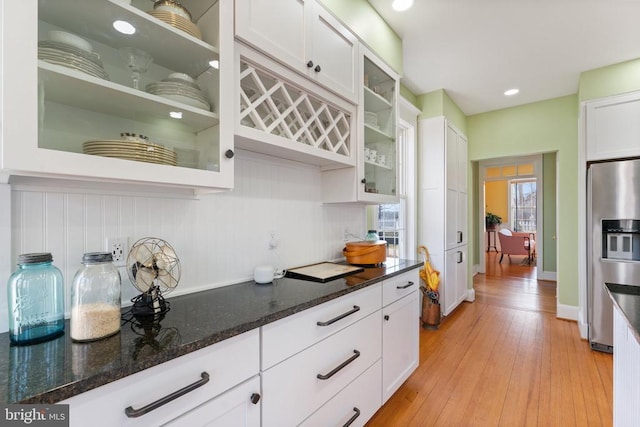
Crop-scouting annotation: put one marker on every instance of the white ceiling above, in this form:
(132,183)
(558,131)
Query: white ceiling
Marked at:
(477,49)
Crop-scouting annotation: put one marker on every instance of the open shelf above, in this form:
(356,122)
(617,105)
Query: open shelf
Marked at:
(74,88)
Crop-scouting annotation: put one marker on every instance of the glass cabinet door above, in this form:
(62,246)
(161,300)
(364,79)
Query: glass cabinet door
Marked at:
(379,116)
(128,89)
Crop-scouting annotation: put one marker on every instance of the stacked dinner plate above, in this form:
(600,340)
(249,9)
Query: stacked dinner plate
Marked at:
(177,21)
(182,88)
(71,57)
(131,150)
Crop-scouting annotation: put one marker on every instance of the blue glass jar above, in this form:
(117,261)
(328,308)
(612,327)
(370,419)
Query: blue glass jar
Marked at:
(35,293)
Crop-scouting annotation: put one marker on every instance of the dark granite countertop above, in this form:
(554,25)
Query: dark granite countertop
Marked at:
(627,299)
(58,369)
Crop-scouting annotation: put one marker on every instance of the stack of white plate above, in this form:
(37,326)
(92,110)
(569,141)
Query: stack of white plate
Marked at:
(131,150)
(177,21)
(71,57)
(182,88)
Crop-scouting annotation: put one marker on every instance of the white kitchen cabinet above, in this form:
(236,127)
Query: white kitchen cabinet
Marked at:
(354,405)
(56,108)
(613,127)
(304,36)
(626,373)
(238,407)
(294,333)
(210,371)
(298,386)
(375,179)
(400,333)
(443,203)
(281,115)
(455,273)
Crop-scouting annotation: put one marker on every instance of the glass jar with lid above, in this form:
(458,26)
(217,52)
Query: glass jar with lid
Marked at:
(95,298)
(35,293)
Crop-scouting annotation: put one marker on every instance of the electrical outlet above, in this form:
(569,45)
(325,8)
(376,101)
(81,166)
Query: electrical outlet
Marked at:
(273,242)
(118,246)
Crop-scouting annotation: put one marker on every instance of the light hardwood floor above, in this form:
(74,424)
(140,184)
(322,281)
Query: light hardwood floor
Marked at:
(505,360)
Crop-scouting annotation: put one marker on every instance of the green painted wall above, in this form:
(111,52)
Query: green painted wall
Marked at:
(365,22)
(438,103)
(611,80)
(541,127)
(408,95)
(549,206)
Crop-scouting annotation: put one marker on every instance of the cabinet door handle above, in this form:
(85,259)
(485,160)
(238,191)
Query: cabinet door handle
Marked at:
(408,285)
(134,413)
(339,367)
(342,316)
(459,236)
(255,398)
(353,418)
(310,64)
(386,317)
(317,69)
(459,257)
(229,154)
(363,180)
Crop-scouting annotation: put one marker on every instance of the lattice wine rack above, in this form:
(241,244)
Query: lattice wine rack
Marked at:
(269,104)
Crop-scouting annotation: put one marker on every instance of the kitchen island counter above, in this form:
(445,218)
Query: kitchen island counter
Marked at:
(627,299)
(59,369)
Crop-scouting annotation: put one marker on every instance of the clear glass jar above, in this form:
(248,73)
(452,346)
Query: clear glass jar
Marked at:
(95,298)
(35,293)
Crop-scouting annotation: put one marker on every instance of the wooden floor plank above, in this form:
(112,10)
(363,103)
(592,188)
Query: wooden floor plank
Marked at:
(504,360)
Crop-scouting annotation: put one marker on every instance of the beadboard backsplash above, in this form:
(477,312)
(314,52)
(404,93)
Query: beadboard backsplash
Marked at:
(219,238)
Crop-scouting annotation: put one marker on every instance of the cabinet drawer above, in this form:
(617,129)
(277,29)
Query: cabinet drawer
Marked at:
(399,286)
(292,390)
(231,408)
(357,402)
(293,334)
(228,363)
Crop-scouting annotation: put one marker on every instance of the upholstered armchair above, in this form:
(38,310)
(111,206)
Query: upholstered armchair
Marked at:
(516,243)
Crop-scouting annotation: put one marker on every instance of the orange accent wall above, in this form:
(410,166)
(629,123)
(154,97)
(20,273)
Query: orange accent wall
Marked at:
(496,199)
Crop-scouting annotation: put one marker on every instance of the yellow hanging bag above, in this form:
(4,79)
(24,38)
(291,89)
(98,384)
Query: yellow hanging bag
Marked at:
(428,274)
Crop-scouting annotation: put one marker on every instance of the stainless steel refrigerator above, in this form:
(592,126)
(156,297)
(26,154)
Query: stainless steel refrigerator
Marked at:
(613,240)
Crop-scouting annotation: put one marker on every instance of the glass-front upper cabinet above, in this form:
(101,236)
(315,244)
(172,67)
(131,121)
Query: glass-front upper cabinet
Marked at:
(118,90)
(379,105)
(374,179)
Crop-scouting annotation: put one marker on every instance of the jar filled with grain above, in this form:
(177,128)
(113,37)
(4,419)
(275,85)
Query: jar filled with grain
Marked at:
(95,298)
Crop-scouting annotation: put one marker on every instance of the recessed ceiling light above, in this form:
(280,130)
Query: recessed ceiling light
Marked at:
(401,5)
(511,92)
(214,64)
(124,27)
(175,114)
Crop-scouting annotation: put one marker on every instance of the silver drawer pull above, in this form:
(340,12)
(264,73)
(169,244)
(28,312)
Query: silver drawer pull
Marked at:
(409,284)
(352,419)
(342,316)
(339,367)
(134,413)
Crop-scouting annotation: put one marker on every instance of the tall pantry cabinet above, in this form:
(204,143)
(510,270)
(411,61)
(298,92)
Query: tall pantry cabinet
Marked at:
(443,201)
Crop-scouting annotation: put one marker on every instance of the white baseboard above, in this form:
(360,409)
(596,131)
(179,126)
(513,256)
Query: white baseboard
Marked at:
(583,325)
(569,312)
(471,295)
(475,270)
(548,275)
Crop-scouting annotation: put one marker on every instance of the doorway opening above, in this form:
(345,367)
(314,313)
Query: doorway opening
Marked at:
(514,189)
